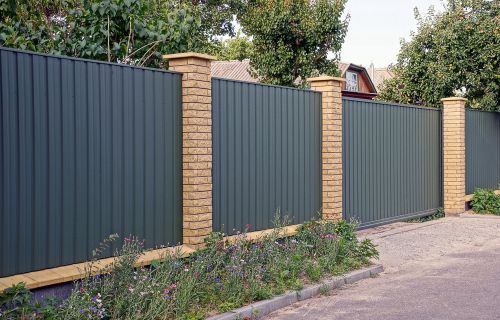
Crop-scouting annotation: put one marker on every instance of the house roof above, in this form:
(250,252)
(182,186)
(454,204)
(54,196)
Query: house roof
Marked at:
(233,69)
(379,75)
(343,66)
(239,70)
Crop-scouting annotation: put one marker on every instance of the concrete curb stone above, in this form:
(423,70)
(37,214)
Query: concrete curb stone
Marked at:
(334,283)
(265,307)
(357,275)
(309,292)
(376,269)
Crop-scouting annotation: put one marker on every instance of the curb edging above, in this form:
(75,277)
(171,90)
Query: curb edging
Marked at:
(262,308)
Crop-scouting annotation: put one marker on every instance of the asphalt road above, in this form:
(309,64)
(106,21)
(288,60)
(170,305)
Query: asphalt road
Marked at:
(444,269)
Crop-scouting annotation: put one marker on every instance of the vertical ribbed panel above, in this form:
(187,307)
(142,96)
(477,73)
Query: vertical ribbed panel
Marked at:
(266,156)
(482,150)
(87,149)
(392,160)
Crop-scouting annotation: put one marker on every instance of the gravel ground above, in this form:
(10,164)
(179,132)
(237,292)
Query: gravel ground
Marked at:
(443,269)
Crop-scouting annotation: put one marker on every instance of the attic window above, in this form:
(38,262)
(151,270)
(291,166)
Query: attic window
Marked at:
(351,81)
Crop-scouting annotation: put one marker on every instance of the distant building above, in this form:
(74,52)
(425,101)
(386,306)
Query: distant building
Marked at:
(234,69)
(379,75)
(358,82)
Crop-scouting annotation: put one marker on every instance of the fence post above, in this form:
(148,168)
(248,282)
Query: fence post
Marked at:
(331,134)
(196,144)
(454,155)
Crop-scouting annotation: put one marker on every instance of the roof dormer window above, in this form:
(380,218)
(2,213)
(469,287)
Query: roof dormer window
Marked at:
(351,81)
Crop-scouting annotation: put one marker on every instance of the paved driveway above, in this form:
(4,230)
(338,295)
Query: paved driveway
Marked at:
(444,269)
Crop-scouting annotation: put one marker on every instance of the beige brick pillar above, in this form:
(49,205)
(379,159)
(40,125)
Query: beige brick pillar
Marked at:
(196,144)
(454,155)
(331,91)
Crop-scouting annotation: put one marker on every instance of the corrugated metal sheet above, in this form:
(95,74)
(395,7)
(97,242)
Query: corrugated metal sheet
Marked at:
(267,154)
(392,159)
(482,150)
(87,149)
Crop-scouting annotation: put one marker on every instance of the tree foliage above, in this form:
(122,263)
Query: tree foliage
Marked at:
(456,52)
(291,39)
(217,16)
(237,48)
(127,31)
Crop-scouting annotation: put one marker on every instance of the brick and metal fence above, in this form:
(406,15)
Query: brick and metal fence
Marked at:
(88,149)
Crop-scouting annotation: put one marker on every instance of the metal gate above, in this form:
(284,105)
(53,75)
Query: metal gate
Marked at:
(392,159)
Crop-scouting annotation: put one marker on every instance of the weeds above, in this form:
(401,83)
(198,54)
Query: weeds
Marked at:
(222,276)
(438,215)
(486,201)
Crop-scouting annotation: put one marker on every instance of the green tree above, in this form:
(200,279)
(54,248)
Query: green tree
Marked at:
(126,31)
(452,53)
(217,17)
(292,39)
(139,31)
(237,48)
(31,25)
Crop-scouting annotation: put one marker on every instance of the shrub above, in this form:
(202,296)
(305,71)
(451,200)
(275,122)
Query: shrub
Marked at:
(222,276)
(486,201)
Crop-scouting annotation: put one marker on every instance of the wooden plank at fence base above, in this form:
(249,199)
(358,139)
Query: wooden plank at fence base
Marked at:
(256,235)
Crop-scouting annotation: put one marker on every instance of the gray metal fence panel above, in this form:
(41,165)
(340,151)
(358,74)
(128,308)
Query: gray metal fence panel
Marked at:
(392,160)
(482,150)
(266,154)
(87,149)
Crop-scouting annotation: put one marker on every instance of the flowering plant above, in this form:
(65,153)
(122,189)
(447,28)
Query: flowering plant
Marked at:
(221,276)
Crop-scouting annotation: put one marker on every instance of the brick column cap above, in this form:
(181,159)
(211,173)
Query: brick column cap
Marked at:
(453,99)
(188,55)
(325,78)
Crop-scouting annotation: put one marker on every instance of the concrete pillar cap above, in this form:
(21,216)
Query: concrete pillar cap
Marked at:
(453,99)
(325,78)
(188,55)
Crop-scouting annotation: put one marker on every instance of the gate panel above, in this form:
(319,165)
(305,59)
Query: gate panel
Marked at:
(392,161)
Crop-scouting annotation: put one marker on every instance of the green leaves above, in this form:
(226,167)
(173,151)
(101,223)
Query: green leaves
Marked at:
(292,39)
(455,52)
(135,32)
(486,201)
(238,48)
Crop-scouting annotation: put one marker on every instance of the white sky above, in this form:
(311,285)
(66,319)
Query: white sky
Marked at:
(376,27)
